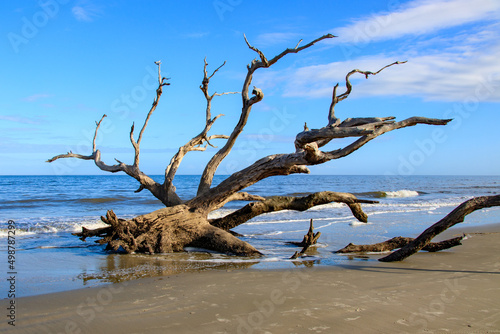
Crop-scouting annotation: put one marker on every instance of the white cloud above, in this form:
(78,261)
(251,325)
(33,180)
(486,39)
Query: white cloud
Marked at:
(35,97)
(274,38)
(417,18)
(195,34)
(445,66)
(85,11)
(447,76)
(19,119)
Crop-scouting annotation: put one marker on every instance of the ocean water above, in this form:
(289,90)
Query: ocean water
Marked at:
(47,209)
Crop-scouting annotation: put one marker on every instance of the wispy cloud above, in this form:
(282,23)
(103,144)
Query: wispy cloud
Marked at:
(445,76)
(417,18)
(274,38)
(86,11)
(36,97)
(444,66)
(195,35)
(20,119)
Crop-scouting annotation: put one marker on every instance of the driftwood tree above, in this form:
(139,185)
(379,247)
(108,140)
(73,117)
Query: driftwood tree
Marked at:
(184,222)
(409,246)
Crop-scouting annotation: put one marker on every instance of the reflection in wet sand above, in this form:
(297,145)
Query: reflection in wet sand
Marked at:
(116,268)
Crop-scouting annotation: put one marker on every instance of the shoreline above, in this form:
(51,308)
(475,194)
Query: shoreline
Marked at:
(450,291)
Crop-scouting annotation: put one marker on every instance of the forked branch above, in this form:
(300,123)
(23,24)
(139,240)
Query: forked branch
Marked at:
(266,63)
(162,81)
(332,120)
(247,103)
(195,144)
(132,170)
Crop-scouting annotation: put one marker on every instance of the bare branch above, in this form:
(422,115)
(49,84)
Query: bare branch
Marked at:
(366,73)
(279,203)
(71,155)
(96,154)
(247,103)
(308,155)
(195,144)
(225,93)
(161,82)
(296,46)
(242,196)
(80,156)
(132,170)
(412,121)
(215,71)
(398,242)
(332,120)
(266,63)
(261,55)
(217,137)
(455,217)
(98,124)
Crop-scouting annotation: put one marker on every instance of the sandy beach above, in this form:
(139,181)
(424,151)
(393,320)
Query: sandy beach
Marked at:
(456,291)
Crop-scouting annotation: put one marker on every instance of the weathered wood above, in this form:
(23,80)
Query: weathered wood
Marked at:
(309,239)
(279,203)
(455,217)
(184,222)
(166,230)
(247,103)
(398,242)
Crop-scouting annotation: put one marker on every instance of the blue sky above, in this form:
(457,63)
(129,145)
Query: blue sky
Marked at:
(66,63)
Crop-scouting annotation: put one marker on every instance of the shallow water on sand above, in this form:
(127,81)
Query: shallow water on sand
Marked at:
(47,209)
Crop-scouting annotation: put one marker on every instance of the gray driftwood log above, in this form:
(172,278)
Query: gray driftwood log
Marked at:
(184,222)
(398,242)
(455,217)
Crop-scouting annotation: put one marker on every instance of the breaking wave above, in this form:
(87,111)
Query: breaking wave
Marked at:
(391,194)
(402,193)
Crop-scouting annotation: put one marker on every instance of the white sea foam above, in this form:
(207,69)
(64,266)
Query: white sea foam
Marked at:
(402,193)
(89,225)
(219,213)
(4,233)
(357,223)
(51,225)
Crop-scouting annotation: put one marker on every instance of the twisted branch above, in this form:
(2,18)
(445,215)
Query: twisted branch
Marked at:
(162,81)
(279,203)
(247,103)
(132,170)
(332,120)
(195,144)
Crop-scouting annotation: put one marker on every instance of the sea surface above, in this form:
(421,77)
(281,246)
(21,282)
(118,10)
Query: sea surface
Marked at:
(46,210)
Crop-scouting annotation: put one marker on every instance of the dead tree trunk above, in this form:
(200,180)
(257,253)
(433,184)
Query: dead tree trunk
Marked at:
(184,222)
(167,230)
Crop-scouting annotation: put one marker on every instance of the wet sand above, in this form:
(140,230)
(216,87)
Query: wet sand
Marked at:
(457,291)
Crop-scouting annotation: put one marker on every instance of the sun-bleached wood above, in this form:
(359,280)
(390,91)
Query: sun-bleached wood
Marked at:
(184,222)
